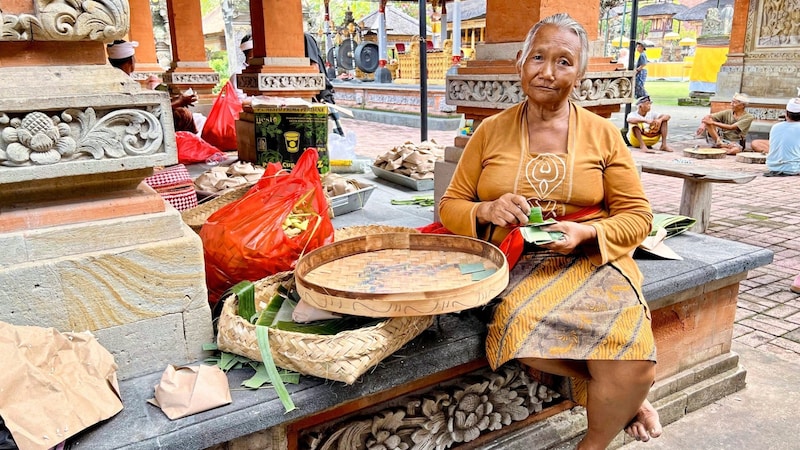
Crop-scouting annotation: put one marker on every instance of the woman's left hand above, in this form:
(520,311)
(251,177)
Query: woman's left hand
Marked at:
(574,235)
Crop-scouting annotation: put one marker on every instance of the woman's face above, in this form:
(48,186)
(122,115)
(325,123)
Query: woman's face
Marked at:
(550,72)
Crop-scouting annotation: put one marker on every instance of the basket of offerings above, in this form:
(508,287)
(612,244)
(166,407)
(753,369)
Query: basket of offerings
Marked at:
(341,355)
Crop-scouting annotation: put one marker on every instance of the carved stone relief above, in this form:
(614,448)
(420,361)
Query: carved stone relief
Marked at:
(503,91)
(207,78)
(442,418)
(281,82)
(68,20)
(39,138)
(712,24)
(779,25)
(767,113)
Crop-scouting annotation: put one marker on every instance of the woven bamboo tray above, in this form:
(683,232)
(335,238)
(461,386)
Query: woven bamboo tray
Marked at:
(400,274)
(341,357)
(363,230)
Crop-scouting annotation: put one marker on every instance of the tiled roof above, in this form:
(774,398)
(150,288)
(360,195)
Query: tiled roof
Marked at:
(699,11)
(661,9)
(397,22)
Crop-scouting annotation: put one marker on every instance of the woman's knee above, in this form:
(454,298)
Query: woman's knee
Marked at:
(561,367)
(640,373)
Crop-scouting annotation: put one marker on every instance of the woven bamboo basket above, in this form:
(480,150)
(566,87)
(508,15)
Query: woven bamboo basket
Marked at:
(197,216)
(401,274)
(341,357)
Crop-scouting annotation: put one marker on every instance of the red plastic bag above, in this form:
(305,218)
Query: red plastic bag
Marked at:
(220,127)
(245,240)
(193,149)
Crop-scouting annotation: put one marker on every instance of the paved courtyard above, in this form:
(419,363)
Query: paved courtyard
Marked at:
(760,213)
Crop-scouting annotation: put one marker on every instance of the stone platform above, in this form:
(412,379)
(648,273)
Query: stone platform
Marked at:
(136,281)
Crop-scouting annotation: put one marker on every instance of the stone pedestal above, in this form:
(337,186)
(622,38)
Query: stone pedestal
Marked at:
(136,282)
(279,66)
(86,245)
(189,67)
(142,32)
(764,58)
(490,82)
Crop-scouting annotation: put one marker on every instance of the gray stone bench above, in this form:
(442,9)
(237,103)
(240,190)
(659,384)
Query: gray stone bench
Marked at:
(761,127)
(697,182)
(693,304)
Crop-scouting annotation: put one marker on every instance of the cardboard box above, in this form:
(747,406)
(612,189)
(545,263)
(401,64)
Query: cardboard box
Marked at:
(284,132)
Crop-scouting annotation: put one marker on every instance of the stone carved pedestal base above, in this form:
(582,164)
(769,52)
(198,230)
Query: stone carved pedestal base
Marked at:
(83,248)
(136,282)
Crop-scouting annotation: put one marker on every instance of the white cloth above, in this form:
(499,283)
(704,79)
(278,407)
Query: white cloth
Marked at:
(122,50)
(784,148)
(794,105)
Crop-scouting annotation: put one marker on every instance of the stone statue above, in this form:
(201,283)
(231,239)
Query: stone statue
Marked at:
(712,25)
(726,16)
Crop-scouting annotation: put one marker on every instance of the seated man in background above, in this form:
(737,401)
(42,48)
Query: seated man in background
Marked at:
(121,54)
(648,127)
(728,128)
(783,146)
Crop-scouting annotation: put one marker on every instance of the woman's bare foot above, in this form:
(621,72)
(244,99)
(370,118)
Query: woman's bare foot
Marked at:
(646,424)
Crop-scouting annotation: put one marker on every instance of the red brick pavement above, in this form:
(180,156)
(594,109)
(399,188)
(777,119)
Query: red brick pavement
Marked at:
(762,212)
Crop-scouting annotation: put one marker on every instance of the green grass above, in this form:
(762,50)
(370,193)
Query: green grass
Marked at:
(667,92)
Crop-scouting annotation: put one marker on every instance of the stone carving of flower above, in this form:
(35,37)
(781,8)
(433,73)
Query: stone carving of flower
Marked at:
(384,432)
(471,413)
(37,138)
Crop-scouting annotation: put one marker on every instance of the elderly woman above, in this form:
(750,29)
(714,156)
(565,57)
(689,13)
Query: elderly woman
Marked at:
(573,307)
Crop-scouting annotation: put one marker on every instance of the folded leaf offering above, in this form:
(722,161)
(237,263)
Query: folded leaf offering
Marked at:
(534,234)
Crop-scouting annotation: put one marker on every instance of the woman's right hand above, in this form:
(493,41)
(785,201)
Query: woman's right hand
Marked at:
(507,211)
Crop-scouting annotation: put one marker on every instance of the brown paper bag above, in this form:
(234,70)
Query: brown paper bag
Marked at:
(187,390)
(54,384)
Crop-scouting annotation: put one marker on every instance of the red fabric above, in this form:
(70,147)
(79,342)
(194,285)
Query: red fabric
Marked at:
(193,149)
(174,184)
(434,228)
(220,127)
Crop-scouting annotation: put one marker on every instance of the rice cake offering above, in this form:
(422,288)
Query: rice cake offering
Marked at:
(400,274)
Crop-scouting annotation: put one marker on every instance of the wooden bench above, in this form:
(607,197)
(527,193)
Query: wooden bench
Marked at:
(693,304)
(697,182)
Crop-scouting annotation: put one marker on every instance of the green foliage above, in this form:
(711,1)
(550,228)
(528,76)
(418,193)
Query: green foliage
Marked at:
(666,92)
(208,5)
(218,61)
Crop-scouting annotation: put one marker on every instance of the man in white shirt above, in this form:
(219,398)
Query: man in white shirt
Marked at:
(783,146)
(648,127)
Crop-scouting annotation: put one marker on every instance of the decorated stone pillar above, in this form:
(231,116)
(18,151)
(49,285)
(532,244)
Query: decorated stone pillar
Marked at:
(279,66)
(764,57)
(489,82)
(86,244)
(142,32)
(189,67)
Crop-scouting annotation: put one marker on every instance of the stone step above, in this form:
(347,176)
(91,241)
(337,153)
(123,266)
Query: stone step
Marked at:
(673,397)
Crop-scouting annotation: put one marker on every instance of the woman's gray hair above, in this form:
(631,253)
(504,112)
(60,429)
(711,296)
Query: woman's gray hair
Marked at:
(565,22)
